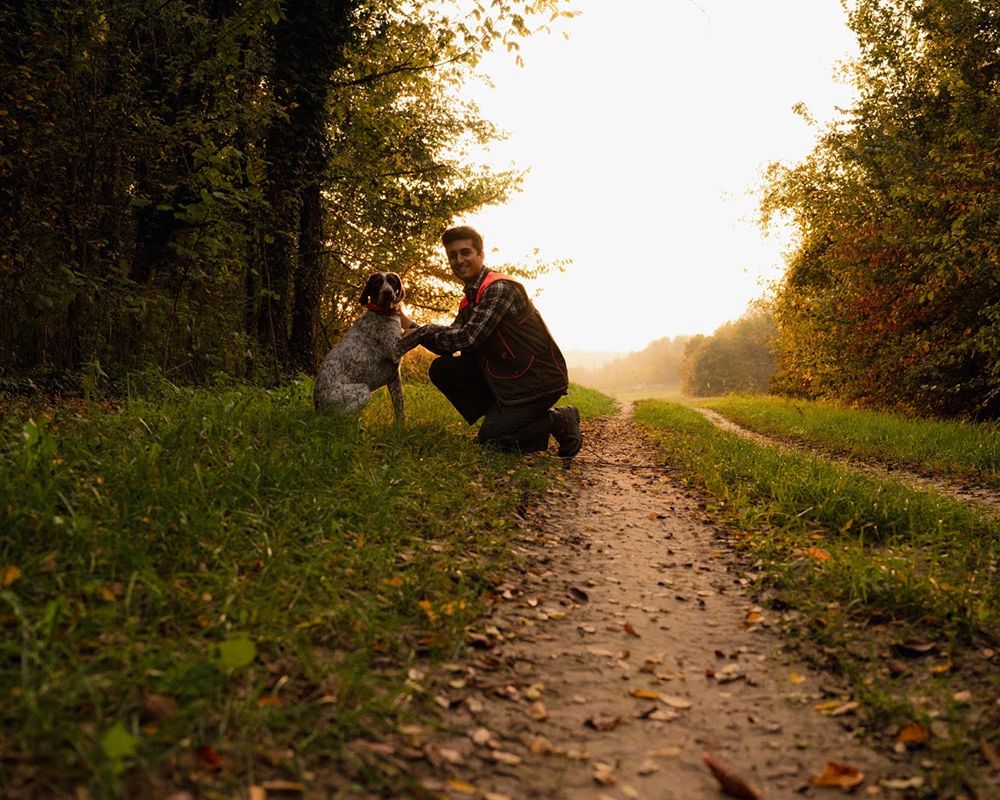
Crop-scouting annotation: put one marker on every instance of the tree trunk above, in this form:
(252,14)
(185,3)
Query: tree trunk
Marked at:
(308,281)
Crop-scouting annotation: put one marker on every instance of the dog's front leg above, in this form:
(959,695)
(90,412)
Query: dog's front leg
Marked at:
(395,387)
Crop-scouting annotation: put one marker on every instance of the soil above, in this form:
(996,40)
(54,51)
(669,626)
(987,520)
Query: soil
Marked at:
(629,647)
(963,491)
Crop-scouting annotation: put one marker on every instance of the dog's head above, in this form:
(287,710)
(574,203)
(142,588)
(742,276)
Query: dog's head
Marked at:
(384,289)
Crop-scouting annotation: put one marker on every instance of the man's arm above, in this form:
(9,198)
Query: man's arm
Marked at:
(497,300)
(419,334)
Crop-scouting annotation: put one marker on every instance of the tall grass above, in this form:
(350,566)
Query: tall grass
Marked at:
(232,573)
(953,448)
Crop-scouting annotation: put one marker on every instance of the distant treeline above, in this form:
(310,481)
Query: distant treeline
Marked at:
(892,294)
(200,188)
(738,357)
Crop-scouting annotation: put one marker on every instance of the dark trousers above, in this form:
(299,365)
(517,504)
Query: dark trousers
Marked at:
(524,427)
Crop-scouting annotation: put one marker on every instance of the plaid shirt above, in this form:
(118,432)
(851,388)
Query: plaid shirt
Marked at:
(502,297)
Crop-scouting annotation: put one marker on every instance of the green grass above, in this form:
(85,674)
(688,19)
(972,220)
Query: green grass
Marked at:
(865,563)
(952,448)
(589,402)
(233,574)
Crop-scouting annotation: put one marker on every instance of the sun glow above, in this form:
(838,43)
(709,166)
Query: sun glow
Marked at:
(645,132)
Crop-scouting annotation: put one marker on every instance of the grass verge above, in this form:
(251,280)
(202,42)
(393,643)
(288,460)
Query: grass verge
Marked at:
(871,567)
(952,448)
(216,589)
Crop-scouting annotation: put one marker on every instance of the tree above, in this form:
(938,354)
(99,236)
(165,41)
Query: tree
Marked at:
(891,294)
(197,186)
(738,357)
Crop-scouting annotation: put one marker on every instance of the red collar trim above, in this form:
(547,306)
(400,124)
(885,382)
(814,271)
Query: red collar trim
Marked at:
(392,311)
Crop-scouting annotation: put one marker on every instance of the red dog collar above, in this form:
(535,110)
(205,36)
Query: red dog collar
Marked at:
(392,311)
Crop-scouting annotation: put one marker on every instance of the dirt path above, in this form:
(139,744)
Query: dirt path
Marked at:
(958,489)
(629,647)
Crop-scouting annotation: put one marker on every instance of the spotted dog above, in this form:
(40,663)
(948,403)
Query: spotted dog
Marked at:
(368,355)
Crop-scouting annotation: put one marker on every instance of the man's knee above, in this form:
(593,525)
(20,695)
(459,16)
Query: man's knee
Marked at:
(438,370)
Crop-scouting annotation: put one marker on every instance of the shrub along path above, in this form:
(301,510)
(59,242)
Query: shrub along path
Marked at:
(963,490)
(629,646)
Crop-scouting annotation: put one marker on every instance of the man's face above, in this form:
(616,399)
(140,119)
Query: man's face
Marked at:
(466,262)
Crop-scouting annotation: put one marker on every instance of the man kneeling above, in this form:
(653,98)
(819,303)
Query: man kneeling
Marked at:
(510,370)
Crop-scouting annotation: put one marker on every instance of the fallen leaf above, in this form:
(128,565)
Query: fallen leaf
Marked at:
(661,715)
(963,697)
(990,753)
(941,669)
(645,694)
(538,711)
(451,756)
(462,787)
(630,630)
(209,758)
(481,736)
(838,775)
(675,702)
(818,553)
(158,707)
(914,649)
(540,746)
(283,786)
(506,758)
(602,723)
(835,708)
(603,774)
(902,783)
(9,574)
(912,733)
(578,594)
(753,617)
(648,767)
(796,677)
(257,793)
(665,752)
(729,781)
(495,796)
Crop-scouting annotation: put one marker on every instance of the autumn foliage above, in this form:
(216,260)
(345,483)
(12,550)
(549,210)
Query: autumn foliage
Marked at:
(891,295)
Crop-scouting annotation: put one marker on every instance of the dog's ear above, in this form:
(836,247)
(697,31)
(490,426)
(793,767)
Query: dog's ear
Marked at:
(397,285)
(368,293)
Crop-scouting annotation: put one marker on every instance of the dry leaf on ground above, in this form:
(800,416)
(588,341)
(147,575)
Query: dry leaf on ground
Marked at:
(603,774)
(729,781)
(913,733)
(838,775)
(602,723)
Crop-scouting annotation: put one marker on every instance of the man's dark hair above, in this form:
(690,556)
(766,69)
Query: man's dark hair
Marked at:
(462,232)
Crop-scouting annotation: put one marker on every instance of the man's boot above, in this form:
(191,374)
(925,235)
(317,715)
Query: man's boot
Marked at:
(565,422)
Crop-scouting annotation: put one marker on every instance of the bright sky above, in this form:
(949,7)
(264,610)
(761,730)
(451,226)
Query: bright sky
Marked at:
(645,132)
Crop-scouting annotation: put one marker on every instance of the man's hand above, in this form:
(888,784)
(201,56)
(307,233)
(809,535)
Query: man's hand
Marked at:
(407,324)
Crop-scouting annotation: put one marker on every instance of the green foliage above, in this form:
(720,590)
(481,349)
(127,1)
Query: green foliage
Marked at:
(891,291)
(196,187)
(231,570)
(738,357)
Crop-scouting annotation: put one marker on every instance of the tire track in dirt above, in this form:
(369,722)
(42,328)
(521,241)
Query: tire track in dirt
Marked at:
(958,490)
(629,645)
